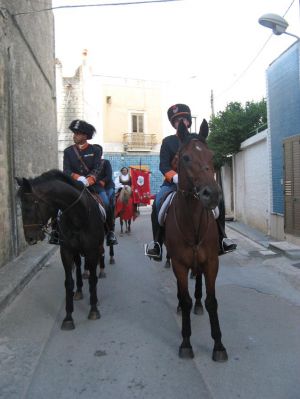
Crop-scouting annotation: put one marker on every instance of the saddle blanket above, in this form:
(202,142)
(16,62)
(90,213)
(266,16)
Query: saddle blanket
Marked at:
(162,214)
(103,212)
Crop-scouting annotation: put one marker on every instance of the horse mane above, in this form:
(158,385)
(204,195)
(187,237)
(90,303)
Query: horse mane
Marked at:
(56,174)
(125,194)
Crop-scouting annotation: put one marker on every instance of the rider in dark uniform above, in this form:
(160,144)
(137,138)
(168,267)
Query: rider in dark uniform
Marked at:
(167,166)
(82,162)
(106,189)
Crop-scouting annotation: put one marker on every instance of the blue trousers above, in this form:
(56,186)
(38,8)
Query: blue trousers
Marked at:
(107,196)
(166,187)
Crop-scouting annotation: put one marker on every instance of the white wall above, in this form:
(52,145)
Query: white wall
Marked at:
(251,182)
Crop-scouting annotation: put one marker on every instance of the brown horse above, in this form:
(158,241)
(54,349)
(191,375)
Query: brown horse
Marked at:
(191,234)
(125,208)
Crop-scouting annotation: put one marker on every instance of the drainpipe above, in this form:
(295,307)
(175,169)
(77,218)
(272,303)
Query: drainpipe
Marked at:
(15,240)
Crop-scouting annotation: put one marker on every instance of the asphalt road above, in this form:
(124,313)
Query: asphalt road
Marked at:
(132,351)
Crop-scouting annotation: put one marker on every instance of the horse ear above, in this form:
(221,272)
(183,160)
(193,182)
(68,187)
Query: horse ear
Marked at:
(182,131)
(24,183)
(203,132)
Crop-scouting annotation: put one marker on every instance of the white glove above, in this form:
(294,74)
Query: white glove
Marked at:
(83,180)
(216,212)
(175,179)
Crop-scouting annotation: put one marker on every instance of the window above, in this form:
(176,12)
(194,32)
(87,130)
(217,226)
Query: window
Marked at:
(137,123)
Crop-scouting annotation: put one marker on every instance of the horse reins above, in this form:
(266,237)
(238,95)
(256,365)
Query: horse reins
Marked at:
(39,198)
(194,194)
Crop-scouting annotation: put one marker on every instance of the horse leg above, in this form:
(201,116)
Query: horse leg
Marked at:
(219,352)
(168,262)
(121,224)
(186,303)
(126,226)
(129,226)
(102,273)
(198,308)
(111,255)
(78,294)
(92,261)
(67,260)
(178,297)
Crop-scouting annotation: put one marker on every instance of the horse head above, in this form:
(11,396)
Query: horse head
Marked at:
(35,212)
(195,166)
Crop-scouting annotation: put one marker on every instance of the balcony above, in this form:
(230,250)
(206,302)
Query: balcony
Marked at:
(138,141)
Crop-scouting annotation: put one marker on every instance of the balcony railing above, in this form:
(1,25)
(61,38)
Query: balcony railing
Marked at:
(138,141)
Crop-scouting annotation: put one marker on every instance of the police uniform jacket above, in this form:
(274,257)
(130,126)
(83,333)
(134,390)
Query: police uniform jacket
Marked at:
(73,166)
(168,151)
(105,176)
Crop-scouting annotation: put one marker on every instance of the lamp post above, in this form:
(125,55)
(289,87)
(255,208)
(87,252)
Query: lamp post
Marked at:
(277,23)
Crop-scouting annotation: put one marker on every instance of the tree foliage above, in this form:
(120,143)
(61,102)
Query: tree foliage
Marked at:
(229,128)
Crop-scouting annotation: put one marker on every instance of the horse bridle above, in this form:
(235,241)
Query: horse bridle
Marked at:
(37,199)
(194,193)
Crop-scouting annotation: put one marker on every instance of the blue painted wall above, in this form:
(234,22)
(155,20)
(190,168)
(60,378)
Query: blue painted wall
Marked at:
(283,81)
(118,160)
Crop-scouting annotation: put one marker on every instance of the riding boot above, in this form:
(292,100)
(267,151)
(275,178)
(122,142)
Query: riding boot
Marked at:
(111,239)
(225,244)
(54,234)
(158,235)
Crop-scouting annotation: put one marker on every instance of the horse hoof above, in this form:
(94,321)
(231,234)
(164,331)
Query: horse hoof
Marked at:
(198,309)
(94,315)
(67,325)
(78,296)
(167,264)
(186,353)
(102,274)
(112,261)
(220,356)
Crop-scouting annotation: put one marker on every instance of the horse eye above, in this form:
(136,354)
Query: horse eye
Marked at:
(186,158)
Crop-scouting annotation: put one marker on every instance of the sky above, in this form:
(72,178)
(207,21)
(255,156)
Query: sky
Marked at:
(193,46)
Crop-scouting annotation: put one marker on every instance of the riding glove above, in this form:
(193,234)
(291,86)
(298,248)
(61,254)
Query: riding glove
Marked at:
(175,179)
(83,180)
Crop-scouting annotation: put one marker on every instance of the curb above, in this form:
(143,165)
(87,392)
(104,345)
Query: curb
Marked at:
(15,275)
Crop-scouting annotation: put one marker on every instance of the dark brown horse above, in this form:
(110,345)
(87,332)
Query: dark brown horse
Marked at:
(80,224)
(191,234)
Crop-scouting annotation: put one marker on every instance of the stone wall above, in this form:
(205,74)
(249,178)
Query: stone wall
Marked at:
(28,141)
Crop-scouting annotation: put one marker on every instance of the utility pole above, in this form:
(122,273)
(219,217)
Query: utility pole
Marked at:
(212,102)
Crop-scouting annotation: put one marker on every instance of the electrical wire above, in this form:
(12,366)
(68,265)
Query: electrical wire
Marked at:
(95,5)
(252,61)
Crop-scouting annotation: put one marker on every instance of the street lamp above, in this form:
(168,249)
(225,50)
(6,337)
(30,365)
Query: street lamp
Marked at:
(277,23)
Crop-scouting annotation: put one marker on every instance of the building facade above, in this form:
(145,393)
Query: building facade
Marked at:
(127,114)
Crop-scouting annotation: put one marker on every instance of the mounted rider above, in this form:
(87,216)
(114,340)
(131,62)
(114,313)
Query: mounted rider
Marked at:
(167,166)
(124,179)
(82,162)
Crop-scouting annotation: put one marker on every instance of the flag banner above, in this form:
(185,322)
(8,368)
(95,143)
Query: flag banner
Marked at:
(140,186)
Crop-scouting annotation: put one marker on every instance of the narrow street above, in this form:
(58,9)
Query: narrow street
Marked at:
(132,351)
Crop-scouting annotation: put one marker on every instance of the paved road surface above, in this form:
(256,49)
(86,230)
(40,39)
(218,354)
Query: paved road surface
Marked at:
(131,352)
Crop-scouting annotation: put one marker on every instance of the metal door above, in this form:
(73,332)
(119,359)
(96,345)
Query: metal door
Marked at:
(291,147)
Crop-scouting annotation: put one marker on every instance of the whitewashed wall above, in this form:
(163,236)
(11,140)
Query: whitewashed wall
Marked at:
(251,183)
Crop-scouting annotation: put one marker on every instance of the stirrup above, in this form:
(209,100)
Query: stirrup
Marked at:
(227,247)
(153,244)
